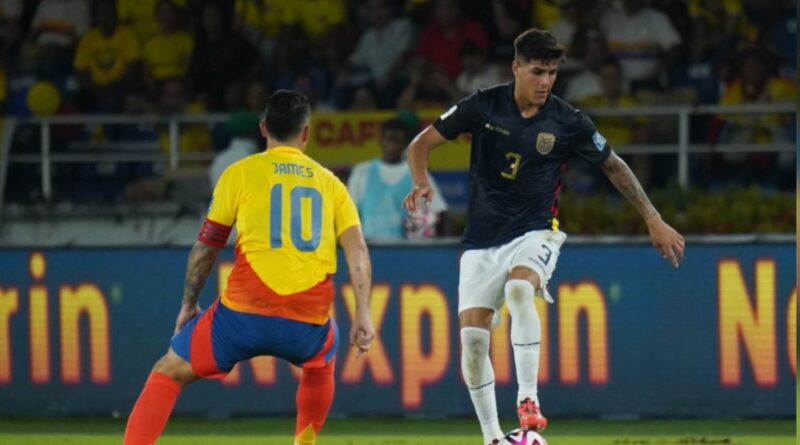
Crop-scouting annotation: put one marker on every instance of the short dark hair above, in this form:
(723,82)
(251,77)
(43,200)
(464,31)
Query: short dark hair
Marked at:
(760,55)
(396,124)
(286,114)
(537,44)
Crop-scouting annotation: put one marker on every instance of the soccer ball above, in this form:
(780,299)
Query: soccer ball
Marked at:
(420,224)
(523,437)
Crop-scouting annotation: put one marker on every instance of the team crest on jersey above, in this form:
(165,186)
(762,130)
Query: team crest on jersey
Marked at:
(545,143)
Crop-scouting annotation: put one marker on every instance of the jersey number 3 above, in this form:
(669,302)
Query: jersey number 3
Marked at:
(515,159)
(297,195)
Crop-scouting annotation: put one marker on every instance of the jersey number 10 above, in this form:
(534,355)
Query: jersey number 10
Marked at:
(296,217)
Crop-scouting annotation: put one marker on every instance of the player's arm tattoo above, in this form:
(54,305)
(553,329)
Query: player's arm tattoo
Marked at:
(625,181)
(201,260)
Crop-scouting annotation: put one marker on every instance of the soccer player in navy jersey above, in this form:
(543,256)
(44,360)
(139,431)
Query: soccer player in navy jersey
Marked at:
(521,137)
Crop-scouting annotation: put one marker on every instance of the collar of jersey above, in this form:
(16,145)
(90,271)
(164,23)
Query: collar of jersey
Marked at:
(284,149)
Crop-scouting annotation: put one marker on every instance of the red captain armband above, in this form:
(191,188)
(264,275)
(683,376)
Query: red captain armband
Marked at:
(214,234)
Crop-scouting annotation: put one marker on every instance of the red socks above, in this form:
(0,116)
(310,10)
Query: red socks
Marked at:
(314,398)
(155,403)
(152,410)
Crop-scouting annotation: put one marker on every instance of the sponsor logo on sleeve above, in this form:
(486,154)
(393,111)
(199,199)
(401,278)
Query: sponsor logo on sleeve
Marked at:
(599,141)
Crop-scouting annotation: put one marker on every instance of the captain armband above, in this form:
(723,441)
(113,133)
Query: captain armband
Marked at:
(214,234)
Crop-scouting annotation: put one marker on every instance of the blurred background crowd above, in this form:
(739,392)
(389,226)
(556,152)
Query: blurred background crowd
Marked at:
(107,56)
(142,57)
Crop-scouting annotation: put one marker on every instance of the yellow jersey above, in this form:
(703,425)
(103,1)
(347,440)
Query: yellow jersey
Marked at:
(289,212)
(617,129)
(107,58)
(141,16)
(168,55)
(759,128)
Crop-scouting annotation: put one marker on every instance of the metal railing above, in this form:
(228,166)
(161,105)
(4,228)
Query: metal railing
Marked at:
(683,148)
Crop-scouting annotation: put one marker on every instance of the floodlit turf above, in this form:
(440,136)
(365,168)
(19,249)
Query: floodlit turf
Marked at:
(400,432)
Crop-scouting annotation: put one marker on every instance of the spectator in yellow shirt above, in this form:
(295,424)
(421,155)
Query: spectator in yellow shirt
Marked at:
(106,60)
(619,130)
(317,17)
(188,183)
(756,83)
(261,21)
(168,53)
(140,15)
(727,17)
(192,138)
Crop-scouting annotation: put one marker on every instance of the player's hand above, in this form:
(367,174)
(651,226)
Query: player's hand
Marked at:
(361,332)
(187,313)
(666,240)
(418,196)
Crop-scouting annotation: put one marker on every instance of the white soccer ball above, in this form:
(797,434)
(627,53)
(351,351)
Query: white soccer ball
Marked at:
(523,437)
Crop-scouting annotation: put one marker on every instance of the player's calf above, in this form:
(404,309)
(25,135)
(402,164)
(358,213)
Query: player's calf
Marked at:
(314,399)
(152,410)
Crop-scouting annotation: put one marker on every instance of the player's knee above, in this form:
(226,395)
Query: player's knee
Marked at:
(477,317)
(175,367)
(519,292)
(320,370)
(475,341)
(474,349)
(525,273)
(165,365)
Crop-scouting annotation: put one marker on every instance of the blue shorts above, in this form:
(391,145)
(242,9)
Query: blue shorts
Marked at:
(219,337)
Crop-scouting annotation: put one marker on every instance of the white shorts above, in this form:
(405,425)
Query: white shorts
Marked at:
(483,274)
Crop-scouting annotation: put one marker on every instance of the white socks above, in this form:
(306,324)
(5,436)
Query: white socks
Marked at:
(476,368)
(525,337)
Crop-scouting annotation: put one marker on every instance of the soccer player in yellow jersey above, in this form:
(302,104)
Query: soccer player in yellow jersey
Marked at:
(289,213)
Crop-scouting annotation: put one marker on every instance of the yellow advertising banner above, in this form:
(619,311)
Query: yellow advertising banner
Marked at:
(342,138)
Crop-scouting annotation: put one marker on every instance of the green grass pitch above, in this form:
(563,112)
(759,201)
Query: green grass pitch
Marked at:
(250,431)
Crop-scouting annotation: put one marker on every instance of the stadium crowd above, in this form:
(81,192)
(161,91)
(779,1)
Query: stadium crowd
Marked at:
(191,56)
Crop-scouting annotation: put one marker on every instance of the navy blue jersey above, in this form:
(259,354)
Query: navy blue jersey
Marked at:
(516,163)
